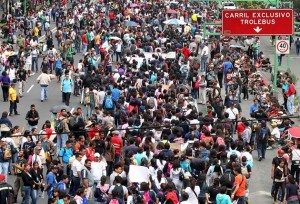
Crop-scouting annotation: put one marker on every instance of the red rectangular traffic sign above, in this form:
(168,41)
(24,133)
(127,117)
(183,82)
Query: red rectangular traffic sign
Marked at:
(257,22)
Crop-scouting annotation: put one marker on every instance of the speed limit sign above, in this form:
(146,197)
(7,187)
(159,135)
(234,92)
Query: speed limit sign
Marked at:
(283,47)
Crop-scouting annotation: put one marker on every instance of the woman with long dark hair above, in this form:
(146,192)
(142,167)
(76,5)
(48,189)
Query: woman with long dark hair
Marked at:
(37,176)
(29,185)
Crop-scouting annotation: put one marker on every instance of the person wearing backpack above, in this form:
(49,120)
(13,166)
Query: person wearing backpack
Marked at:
(227,179)
(262,135)
(120,191)
(66,88)
(149,196)
(108,103)
(114,198)
(62,129)
(152,102)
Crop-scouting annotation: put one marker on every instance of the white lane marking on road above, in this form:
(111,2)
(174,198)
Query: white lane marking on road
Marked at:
(43,36)
(72,110)
(256,193)
(30,88)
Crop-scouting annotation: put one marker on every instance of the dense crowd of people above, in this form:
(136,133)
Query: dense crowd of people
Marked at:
(155,93)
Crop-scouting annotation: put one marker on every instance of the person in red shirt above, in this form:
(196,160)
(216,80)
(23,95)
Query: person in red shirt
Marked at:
(290,93)
(241,127)
(186,52)
(90,151)
(85,42)
(118,144)
(207,139)
(171,194)
(94,128)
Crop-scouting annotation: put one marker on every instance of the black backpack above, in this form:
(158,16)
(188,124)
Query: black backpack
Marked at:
(119,189)
(227,180)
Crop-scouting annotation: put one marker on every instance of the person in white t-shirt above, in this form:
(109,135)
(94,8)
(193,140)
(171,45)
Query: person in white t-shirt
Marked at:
(97,169)
(232,111)
(193,191)
(275,135)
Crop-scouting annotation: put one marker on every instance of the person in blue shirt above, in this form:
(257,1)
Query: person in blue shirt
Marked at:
(254,107)
(115,93)
(62,185)
(66,88)
(185,164)
(65,154)
(139,156)
(285,88)
(51,181)
(227,65)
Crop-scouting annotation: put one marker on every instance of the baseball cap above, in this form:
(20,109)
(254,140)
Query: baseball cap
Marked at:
(115,132)
(38,148)
(96,154)
(280,151)
(2,177)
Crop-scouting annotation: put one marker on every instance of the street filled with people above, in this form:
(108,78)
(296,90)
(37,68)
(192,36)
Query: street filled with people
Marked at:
(148,106)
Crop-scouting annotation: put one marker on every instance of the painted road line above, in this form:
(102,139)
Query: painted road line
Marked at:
(43,36)
(257,193)
(72,110)
(30,88)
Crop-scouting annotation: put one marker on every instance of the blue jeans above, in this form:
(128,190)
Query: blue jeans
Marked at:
(84,48)
(261,148)
(35,196)
(74,185)
(77,47)
(28,193)
(97,49)
(195,93)
(4,168)
(297,50)
(203,63)
(226,88)
(118,56)
(34,61)
(290,104)
(90,110)
(29,127)
(61,142)
(44,92)
(117,158)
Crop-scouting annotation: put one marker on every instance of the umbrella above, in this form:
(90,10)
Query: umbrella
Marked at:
(171,11)
(114,38)
(174,2)
(294,132)
(58,108)
(130,24)
(174,22)
(133,5)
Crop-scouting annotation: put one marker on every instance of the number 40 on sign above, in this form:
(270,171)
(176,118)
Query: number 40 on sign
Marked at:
(283,47)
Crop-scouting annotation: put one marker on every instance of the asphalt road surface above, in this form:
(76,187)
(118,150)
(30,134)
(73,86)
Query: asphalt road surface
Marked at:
(260,182)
